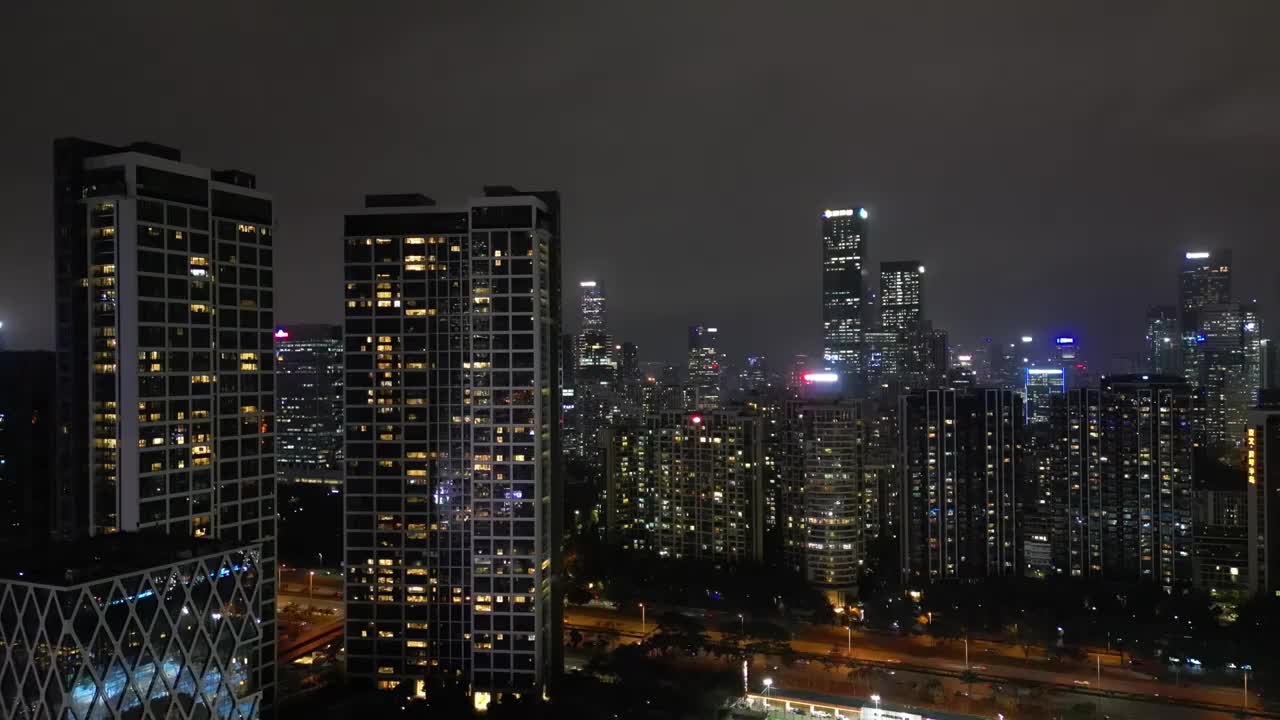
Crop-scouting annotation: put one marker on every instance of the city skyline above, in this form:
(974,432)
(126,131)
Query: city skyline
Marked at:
(807,345)
(1113,186)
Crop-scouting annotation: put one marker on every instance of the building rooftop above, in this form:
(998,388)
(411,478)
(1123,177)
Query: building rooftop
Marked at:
(102,556)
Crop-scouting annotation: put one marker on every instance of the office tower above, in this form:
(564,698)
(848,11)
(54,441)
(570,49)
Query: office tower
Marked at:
(165,297)
(26,445)
(1164,344)
(1040,385)
(1066,349)
(571,433)
(959,455)
(901,296)
(1002,366)
(800,364)
(130,625)
(883,359)
(844,240)
(1262,495)
(309,404)
(937,357)
(629,366)
(1228,349)
(754,377)
(452,480)
(902,344)
(595,393)
(1268,364)
(833,500)
(1147,478)
(596,364)
(1205,279)
(704,368)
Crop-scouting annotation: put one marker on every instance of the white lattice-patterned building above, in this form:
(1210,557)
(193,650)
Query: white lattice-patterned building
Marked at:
(106,640)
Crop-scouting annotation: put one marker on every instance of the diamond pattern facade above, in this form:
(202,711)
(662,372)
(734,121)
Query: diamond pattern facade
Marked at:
(174,641)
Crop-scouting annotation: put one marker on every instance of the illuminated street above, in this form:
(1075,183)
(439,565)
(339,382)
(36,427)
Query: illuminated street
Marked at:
(907,657)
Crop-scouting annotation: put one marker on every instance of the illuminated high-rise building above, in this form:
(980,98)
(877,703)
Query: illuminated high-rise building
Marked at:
(1205,279)
(1147,479)
(901,296)
(834,506)
(596,361)
(1039,387)
(309,434)
(844,243)
(1262,453)
(166,400)
(1064,511)
(960,455)
(704,368)
(689,485)
(595,395)
(1229,346)
(453,489)
(1163,341)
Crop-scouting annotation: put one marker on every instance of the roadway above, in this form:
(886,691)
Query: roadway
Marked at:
(321,628)
(987,661)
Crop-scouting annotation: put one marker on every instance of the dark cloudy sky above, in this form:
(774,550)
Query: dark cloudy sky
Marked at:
(1049,162)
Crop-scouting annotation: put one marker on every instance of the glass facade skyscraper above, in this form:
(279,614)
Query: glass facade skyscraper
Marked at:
(901,296)
(704,368)
(1163,340)
(309,404)
(844,247)
(453,490)
(1205,279)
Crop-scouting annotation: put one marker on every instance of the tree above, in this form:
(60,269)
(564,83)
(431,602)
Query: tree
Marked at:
(832,659)
(968,677)
(578,595)
(857,672)
(943,627)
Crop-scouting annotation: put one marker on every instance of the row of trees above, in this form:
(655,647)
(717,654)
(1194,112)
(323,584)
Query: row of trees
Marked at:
(1067,617)
(599,571)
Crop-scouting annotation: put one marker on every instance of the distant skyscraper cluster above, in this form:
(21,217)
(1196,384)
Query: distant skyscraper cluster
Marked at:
(900,453)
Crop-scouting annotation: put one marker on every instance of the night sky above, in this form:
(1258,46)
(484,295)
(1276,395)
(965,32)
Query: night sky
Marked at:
(1048,164)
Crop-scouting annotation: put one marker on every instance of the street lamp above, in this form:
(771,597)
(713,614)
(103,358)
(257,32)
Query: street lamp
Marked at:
(742,625)
(642,632)
(966,653)
(311,578)
(876,699)
(849,630)
(768,683)
(1246,692)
